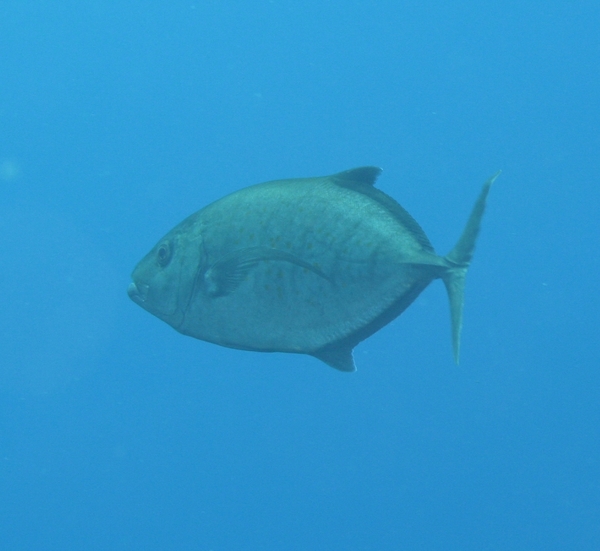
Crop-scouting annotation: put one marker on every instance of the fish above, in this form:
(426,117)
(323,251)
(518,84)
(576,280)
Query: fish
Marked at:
(307,266)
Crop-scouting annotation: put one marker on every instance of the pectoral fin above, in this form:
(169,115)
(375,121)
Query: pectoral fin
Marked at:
(227,273)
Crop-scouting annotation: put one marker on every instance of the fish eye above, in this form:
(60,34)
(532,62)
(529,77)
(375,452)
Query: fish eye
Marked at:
(163,255)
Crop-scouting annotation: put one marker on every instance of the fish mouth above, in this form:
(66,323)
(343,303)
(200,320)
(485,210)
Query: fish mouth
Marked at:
(138,293)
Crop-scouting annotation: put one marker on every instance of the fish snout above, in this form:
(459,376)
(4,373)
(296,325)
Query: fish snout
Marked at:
(137,293)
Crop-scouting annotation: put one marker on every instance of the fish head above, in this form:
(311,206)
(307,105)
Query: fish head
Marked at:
(163,281)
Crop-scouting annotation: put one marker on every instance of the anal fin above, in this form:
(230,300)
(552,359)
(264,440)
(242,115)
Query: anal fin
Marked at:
(339,357)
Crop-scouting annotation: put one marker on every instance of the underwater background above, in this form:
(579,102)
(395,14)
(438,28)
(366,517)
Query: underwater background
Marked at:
(119,119)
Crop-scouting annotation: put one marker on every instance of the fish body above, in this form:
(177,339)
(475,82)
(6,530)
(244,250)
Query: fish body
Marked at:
(310,265)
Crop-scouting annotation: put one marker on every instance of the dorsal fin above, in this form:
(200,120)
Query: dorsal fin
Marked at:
(365,175)
(362,180)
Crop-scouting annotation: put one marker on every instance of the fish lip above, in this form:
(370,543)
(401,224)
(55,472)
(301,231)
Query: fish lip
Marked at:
(137,293)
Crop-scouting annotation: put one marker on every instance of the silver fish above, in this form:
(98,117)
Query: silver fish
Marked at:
(310,266)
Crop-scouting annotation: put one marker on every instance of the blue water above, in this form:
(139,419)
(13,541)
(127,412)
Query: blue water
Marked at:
(118,119)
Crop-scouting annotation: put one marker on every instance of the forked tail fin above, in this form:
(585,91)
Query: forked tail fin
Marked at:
(458,261)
